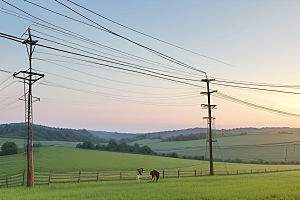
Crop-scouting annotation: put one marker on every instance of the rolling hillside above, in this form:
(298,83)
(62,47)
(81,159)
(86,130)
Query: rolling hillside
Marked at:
(44,133)
(165,134)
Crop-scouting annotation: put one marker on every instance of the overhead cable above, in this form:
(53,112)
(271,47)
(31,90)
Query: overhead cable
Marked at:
(151,36)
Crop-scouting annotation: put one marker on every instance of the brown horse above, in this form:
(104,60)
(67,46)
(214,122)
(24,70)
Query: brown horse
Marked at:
(154,174)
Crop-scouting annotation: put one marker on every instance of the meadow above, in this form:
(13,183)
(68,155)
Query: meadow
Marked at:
(266,146)
(254,146)
(279,185)
(74,159)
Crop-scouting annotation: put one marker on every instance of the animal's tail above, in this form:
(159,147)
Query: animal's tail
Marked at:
(157,176)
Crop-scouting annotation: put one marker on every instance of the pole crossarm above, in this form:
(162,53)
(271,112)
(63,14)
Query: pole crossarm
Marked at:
(27,76)
(30,42)
(212,91)
(208,117)
(205,106)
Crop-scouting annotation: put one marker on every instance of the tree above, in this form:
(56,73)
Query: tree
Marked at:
(113,146)
(9,148)
(87,145)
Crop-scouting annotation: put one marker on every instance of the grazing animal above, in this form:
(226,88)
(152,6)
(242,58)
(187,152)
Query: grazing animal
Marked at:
(155,175)
(139,175)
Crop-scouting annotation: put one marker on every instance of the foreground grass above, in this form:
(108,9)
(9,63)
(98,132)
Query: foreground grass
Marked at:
(279,185)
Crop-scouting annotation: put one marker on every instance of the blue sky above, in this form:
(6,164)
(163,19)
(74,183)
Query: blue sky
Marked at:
(259,39)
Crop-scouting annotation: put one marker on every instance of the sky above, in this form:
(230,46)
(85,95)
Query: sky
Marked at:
(243,41)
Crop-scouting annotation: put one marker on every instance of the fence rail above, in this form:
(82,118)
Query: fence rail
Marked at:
(13,181)
(47,178)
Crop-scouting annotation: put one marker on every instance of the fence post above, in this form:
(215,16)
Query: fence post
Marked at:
(49,181)
(6,181)
(251,171)
(237,171)
(79,178)
(163,173)
(120,175)
(265,170)
(201,173)
(178,174)
(23,177)
(98,176)
(195,173)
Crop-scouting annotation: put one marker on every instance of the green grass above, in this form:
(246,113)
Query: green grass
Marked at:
(280,185)
(73,159)
(228,149)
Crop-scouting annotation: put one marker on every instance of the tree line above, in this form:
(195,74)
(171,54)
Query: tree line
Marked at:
(182,137)
(123,147)
(50,134)
(114,146)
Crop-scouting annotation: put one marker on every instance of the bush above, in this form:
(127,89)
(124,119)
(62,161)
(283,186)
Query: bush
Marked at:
(35,144)
(85,145)
(9,148)
(172,154)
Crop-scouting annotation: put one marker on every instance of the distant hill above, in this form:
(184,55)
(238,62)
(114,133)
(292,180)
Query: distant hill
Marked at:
(17,130)
(113,135)
(73,135)
(165,134)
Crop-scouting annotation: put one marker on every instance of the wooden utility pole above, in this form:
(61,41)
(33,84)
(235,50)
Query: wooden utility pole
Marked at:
(209,107)
(29,78)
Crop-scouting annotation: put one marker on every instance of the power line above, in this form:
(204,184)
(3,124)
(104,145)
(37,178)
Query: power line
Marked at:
(9,104)
(108,54)
(45,60)
(177,96)
(217,94)
(1,70)
(87,40)
(227,97)
(151,36)
(269,90)
(6,79)
(77,54)
(155,74)
(49,83)
(7,86)
(39,18)
(113,60)
(149,49)
(258,84)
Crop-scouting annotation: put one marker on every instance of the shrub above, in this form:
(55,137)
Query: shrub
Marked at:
(9,148)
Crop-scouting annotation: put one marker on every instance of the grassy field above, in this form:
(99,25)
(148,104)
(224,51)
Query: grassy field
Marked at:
(20,142)
(72,159)
(246,147)
(279,185)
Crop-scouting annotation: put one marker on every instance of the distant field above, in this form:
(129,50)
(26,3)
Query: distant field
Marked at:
(275,147)
(280,185)
(20,142)
(72,159)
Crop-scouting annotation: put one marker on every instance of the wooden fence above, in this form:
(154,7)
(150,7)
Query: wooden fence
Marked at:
(13,181)
(47,178)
